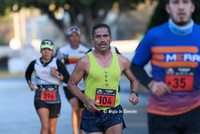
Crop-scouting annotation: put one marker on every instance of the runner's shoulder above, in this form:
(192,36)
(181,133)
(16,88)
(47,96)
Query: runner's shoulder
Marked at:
(123,60)
(32,63)
(84,60)
(121,57)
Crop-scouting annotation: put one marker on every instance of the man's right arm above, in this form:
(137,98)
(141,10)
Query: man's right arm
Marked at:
(140,74)
(75,78)
(141,58)
(158,88)
(28,74)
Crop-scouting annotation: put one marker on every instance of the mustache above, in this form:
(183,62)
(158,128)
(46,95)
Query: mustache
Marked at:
(102,43)
(181,12)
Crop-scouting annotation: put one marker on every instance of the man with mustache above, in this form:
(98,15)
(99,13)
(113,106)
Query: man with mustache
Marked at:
(174,90)
(101,70)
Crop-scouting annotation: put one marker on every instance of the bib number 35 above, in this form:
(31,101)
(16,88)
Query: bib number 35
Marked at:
(180,79)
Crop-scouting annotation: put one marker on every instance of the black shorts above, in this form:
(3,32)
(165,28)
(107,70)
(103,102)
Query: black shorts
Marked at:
(187,123)
(101,121)
(69,96)
(54,109)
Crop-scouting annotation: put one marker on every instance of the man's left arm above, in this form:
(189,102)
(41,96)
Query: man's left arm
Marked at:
(125,65)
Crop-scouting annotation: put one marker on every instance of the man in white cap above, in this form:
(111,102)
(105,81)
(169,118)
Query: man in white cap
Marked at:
(69,55)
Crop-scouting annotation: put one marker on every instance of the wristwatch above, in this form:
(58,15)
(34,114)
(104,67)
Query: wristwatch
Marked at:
(136,93)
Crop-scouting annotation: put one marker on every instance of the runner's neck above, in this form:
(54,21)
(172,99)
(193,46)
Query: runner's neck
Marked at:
(182,31)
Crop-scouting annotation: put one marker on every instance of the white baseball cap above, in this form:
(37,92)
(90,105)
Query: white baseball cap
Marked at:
(74,29)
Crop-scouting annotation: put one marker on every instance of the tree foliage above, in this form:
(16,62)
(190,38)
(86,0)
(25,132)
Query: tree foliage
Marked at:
(160,15)
(92,11)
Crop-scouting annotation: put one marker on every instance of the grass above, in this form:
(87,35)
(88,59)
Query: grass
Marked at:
(5,74)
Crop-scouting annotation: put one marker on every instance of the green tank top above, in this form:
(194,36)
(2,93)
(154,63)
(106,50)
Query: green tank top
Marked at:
(103,78)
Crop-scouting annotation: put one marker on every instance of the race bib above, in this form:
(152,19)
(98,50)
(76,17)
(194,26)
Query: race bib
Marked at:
(179,79)
(105,97)
(48,95)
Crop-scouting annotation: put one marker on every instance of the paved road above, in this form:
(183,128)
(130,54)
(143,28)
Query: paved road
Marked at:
(18,116)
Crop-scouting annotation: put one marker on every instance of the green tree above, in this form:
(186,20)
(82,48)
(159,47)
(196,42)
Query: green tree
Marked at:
(160,15)
(92,11)
(6,27)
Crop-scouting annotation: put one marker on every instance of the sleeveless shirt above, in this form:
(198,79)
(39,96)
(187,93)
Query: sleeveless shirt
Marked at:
(103,78)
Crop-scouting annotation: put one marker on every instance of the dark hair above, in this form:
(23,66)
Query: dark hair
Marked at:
(100,25)
(167,1)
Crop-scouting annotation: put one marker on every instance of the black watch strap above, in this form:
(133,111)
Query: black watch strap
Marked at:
(135,93)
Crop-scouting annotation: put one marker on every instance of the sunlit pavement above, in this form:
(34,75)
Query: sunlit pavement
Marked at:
(18,115)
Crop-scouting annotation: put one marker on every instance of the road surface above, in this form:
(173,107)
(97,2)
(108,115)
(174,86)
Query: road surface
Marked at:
(18,115)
